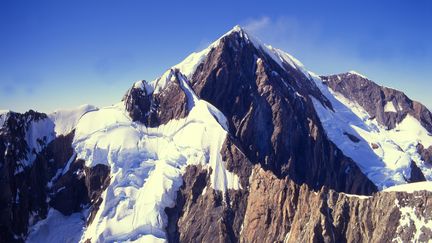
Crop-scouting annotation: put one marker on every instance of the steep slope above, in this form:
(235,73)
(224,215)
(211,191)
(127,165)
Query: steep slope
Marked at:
(390,131)
(252,84)
(237,143)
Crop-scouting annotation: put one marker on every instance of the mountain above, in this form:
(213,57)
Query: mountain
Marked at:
(237,143)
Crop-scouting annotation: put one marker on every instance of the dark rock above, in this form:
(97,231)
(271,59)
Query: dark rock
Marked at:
(22,186)
(69,193)
(157,109)
(374,146)
(138,102)
(416,173)
(202,214)
(272,117)
(426,154)
(373,98)
(352,137)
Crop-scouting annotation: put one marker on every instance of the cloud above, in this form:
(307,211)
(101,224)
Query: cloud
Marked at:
(285,31)
(257,25)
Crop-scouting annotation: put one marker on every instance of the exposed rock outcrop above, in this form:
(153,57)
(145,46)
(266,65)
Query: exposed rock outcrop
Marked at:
(32,181)
(292,183)
(425,153)
(22,176)
(388,106)
(202,214)
(272,117)
(155,109)
(279,210)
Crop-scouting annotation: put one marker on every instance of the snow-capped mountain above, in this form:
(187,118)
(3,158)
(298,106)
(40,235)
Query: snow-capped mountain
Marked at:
(237,143)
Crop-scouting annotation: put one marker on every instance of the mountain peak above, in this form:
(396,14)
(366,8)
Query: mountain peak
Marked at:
(358,74)
(237,28)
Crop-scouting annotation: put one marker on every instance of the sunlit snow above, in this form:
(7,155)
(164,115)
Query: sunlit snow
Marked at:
(66,120)
(147,165)
(389,163)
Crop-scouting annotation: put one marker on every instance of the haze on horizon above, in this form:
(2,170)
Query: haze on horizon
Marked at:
(63,54)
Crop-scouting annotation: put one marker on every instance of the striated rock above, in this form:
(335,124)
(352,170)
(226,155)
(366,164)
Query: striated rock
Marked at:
(202,214)
(375,99)
(271,115)
(293,180)
(278,210)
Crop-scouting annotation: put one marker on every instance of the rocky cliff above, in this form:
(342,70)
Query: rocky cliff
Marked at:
(232,145)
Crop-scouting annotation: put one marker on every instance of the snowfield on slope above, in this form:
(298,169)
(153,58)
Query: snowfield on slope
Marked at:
(147,166)
(66,120)
(389,163)
(411,187)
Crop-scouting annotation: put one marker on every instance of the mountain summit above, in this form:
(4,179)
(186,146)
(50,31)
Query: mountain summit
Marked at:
(237,143)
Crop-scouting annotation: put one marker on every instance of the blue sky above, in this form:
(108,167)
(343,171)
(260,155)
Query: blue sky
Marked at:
(56,54)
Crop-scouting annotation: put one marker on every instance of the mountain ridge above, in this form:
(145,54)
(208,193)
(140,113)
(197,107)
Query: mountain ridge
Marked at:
(236,134)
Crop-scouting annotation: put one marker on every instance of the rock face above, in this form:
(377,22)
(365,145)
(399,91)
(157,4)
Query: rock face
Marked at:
(387,105)
(294,183)
(294,213)
(293,178)
(425,153)
(272,117)
(45,179)
(155,109)
(22,186)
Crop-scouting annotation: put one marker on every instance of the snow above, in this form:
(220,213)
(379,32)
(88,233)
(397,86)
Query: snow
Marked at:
(189,65)
(147,165)
(411,187)
(389,164)
(66,120)
(162,82)
(38,134)
(3,117)
(358,74)
(287,237)
(357,196)
(279,56)
(389,107)
(57,228)
(143,85)
(408,218)
(68,163)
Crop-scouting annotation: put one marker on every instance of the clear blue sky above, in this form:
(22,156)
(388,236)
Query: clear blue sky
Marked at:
(56,54)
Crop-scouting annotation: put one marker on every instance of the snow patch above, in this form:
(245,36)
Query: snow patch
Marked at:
(3,117)
(57,228)
(143,85)
(389,107)
(411,187)
(358,74)
(357,196)
(410,217)
(38,134)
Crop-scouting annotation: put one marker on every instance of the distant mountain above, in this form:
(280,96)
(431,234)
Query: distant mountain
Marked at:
(237,143)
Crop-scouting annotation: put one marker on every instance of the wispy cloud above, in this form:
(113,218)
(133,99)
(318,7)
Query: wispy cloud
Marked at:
(257,25)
